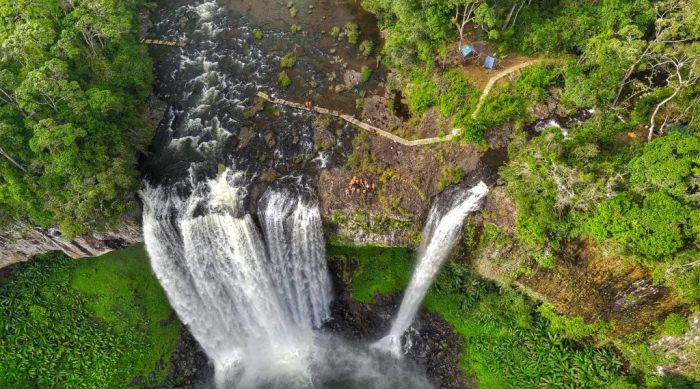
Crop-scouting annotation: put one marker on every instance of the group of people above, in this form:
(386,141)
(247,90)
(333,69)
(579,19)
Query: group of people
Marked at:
(359,186)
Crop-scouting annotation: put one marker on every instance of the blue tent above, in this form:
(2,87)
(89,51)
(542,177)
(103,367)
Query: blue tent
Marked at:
(489,62)
(466,50)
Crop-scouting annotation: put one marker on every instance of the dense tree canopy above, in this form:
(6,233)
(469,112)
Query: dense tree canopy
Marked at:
(73,80)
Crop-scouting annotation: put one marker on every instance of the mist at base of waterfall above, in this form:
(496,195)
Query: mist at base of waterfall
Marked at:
(328,363)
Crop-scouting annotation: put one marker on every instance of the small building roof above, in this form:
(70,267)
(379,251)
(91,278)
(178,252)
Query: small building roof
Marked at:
(466,50)
(489,62)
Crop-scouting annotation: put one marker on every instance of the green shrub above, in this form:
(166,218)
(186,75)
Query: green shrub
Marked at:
(536,80)
(259,35)
(675,325)
(365,73)
(97,322)
(352,32)
(294,28)
(545,259)
(288,61)
(366,48)
(456,94)
(659,227)
(450,176)
(283,80)
(682,275)
(569,327)
(422,93)
(335,32)
(473,130)
(670,163)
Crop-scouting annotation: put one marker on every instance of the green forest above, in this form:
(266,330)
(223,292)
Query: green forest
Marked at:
(73,84)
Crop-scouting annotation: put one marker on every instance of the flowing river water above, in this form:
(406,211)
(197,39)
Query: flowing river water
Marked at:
(231,219)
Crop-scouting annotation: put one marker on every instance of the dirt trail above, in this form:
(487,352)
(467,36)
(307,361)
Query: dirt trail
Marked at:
(498,76)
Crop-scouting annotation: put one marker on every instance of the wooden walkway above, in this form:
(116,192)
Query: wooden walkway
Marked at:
(162,43)
(350,119)
(455,133)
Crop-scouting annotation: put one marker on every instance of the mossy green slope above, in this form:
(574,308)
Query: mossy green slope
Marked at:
(97,322)
(506,343)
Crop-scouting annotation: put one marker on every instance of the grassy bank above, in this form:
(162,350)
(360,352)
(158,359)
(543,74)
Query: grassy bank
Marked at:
(506,343)
(97,322)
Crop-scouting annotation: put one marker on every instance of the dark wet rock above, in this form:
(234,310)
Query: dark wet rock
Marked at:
(323,138)
(156,109)
(551,107)
(145,23)
(498,137)
(340,88)
(434,344)
(270,139)
(638,292)
(189,366)
(352,78)
(245,136)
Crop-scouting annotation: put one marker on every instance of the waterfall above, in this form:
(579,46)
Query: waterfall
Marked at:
(253,313)
(294,234)
(440,234)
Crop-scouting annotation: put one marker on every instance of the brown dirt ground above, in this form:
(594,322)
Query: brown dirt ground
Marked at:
(406,192)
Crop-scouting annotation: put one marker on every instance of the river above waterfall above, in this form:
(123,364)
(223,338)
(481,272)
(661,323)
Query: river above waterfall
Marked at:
(210,85)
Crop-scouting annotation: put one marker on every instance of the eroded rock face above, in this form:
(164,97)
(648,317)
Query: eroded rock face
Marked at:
(683,350)
(23,243)
(586,281)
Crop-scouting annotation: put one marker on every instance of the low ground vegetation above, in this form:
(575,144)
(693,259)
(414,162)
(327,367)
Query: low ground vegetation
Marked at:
(99,322)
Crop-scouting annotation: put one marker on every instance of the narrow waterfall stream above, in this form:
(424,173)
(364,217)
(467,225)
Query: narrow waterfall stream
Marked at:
(440,234)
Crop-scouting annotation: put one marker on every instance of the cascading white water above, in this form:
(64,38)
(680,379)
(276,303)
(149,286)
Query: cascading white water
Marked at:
(439,237)
(252,319)
(294,234)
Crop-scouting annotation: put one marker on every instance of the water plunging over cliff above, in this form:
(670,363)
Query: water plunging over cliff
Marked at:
(214,265)
(254,304)
(294,234)
(440,234)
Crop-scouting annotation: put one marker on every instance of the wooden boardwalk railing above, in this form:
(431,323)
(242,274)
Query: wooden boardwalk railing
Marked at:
(162,43)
